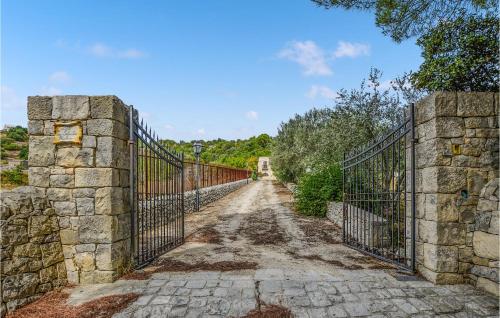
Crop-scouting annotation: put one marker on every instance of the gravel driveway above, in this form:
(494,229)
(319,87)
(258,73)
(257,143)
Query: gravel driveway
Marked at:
(249,251)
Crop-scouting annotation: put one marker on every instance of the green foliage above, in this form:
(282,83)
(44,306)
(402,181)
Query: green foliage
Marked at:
(14,177)
(320,137)
(316,189)
(18,133)
(241,153)
(401,19)
(460,55)
(254,175)
(10,147)
(23,153)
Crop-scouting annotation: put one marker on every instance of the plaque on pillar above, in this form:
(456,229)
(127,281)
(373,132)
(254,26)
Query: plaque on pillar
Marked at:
(68,132)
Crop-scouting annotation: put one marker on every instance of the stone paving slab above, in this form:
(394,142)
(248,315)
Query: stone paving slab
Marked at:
(346,294)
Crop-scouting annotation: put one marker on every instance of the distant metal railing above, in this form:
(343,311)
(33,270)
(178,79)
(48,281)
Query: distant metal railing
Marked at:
(379,196)
(211,174)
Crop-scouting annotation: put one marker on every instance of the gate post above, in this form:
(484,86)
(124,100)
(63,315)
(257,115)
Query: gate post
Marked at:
(78,155)
(456,155)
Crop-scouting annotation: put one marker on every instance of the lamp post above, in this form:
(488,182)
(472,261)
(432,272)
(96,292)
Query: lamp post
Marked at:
(197,146)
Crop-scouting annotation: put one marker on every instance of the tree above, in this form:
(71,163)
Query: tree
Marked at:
(460,55)
(317,140)
(401,19)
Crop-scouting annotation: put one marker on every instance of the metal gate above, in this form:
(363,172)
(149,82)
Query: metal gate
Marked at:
(156,192)
(379,196)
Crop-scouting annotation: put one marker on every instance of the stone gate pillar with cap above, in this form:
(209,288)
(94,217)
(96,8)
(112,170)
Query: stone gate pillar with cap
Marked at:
(457,166)
(78,155)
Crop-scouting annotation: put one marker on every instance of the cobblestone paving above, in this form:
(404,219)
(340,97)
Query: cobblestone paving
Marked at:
(307,294)
(308,287)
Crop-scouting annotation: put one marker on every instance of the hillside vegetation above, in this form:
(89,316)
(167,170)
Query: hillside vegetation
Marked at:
(13,149)
(240,153)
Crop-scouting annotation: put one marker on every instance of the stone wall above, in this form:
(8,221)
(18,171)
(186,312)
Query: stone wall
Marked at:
(31,252)
(335,213)
(211,194)
(79,157)
(456,156)
(484,261)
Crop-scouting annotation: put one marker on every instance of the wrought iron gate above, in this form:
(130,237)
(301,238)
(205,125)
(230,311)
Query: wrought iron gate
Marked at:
(156,192)
(379,196)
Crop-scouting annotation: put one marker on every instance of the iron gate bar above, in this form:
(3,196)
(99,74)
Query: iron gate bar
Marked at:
(156,194)
(376,215)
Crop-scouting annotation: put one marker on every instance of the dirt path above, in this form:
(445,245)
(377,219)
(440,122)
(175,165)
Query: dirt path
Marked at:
(257,224)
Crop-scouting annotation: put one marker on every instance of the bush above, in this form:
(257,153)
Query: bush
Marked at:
(18,133)
(254,176)
(316,189)
(14,177)
(23,153)
(10,147)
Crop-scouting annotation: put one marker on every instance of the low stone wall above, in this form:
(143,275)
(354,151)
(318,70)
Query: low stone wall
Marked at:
(31,252)
(334,212)
(211,194)
(482,258)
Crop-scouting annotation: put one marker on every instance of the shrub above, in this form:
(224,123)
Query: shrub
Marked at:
(14,177)
(18,133)
(10,146)
(23,153)
(254,175)
(316,189)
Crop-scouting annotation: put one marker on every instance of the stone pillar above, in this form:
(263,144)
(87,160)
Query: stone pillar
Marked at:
(456,155)
(78,155)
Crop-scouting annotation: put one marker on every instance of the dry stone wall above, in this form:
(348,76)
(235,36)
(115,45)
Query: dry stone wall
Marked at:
(31,251)
(79,157)
(334,212)
(211,194)
(456,156)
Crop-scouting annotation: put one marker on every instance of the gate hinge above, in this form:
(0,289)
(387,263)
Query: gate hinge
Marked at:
(131,142)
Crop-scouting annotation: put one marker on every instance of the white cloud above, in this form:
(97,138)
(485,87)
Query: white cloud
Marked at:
(169,127)
(252,115)
(348,49)
(10,100)
(131,54)
(321,91)
(60,76)
(50,91)
(201,132)
(102,50)
(308,55)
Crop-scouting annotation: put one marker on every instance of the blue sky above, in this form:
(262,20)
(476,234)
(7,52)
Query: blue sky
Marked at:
(194,69)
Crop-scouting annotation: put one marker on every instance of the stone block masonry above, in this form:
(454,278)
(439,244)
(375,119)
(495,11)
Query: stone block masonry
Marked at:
(79,158)
(31,253)
(457,162)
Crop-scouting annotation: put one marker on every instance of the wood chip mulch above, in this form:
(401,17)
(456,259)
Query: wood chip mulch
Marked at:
(53,305)
(262,228)
(205,234)
(269,311)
